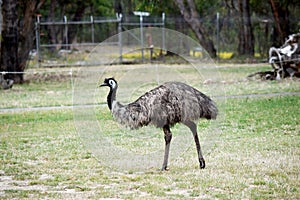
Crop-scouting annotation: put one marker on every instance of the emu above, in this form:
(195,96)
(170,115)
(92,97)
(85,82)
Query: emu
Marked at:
(163,107)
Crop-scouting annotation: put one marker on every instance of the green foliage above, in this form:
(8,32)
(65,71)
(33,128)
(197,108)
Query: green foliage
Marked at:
(68,8)
(207,8)
(157,7)
(102,8)
(229,18)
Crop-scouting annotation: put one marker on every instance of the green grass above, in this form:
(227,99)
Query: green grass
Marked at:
(37,94)
(254,155)
(55,87)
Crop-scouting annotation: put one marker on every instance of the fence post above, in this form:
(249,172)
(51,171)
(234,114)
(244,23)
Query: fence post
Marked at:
(66,31)
(218,35)
(119,17)
(141,14)
(163,32)
(37,39)
(142,36)
(93,30)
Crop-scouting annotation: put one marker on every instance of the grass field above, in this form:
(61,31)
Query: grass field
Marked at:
(254,155)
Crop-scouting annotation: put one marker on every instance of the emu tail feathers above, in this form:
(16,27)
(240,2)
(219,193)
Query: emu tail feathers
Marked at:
(212,111)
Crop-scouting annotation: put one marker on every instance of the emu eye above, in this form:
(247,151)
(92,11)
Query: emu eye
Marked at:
(112,83)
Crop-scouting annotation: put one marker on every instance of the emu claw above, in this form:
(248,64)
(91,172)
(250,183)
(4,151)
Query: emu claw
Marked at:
(202,163)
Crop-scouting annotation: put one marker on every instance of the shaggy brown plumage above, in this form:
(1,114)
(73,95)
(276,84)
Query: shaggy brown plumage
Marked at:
(163,107)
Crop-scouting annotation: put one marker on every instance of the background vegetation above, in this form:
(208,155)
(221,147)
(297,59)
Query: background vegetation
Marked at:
(246,28)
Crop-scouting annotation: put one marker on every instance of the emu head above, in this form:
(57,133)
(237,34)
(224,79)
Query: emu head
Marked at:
(110,82)
(113,85)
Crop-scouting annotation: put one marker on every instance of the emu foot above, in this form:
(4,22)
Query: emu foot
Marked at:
(164,168)
(202,163)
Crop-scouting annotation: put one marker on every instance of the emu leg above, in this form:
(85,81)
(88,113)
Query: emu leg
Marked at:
(193,128)
(168,138)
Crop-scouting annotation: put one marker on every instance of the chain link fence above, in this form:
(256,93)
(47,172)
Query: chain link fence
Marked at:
(67,42)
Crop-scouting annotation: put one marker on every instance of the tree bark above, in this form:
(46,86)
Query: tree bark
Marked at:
(191,16)
(17,36)
(9,43)
(123,6)
(281,17)
(26,41)
(246,38)
(52,29)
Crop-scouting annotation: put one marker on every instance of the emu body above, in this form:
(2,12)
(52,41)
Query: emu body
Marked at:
(163,107)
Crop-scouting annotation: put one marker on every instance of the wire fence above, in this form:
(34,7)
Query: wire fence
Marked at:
(67,42)
(62,39)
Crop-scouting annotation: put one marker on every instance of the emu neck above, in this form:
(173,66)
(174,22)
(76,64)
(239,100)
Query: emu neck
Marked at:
(111,97)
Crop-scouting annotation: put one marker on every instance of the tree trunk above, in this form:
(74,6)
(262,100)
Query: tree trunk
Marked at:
(192,17)
(17,37)
(9,43)
(246,38)
(52,29)
(72,29)
(281,18)
(26,41)
(1,20)
(123,6)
